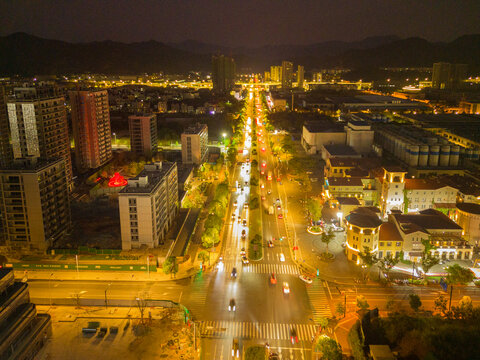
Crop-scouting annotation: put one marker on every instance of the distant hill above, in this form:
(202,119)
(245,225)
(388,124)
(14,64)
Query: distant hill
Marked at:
(25,54)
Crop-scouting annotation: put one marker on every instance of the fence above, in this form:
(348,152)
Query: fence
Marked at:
(83,267)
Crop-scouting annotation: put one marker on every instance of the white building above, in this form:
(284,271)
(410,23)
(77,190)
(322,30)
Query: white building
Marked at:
(148,205)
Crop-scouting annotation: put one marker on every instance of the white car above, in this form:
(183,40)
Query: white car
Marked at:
(282,257)
(305,279)
(286,288)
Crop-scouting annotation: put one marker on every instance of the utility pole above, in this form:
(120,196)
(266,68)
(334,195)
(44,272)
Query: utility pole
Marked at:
(450,302)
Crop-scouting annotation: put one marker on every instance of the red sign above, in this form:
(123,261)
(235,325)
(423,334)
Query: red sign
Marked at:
(117,180)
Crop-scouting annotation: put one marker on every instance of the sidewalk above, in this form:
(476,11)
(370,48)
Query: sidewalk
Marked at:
(342,329)
(184,272)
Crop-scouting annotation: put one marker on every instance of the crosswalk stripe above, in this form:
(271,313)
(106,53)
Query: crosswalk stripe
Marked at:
(264,268)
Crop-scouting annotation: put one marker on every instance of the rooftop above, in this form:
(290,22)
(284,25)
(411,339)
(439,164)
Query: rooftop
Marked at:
(340,150)
(195,129)
(344,181)
(325,126)
(389,232)
(423,184)
(426,220)
(364,219)
(347,200)
(470,208)
(149,178)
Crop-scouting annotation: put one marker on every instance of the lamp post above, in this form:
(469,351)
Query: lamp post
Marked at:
(106,302)
(50,288)
(339,216)
(115,137)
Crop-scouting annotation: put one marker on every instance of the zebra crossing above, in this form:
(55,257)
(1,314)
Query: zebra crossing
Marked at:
(261,268)
(251,330)
(318,300)
(196,298)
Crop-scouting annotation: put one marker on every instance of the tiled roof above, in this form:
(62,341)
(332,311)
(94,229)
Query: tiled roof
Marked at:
(423,184)
(470,208)
(426,220)
(389,232)
(344,181)
(347,200)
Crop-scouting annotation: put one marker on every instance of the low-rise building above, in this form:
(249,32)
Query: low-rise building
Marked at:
(421,194)
(467,215)
(390,241)
(393,184)
(148,205)
(433,226)
(362,229)
(343,187)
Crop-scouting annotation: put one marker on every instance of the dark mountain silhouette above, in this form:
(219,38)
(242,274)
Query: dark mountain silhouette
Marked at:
(25,54)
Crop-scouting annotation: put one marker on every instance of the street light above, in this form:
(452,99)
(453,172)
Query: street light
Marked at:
(340,216)
(106,302)
(50,288)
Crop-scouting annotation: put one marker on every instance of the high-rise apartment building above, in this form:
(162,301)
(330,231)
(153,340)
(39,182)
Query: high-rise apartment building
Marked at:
(195,144)
(143,134)
(6,155)
(148,205)
(223,73)
(276,73)
(300,76)
(34,204)
(38,127)
(23,330)
(446,76)
(287,75)
(91,128)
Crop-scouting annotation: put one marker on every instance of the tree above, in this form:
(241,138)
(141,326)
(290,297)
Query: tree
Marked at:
(330,349)
(427,262)
(315,209)
(327,238)
(142,305)
(388,262)
(440,305)
(459,275)
(210,237)
(322,322)
(170,266)
(213,221)
(340,309)
(254,203)
(414,301)
(203,256)
(368,259)
(362,302)
(256,353)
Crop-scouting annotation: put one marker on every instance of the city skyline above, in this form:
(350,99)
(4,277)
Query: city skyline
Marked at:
(308,22)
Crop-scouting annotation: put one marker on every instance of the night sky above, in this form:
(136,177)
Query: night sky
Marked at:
(241,22)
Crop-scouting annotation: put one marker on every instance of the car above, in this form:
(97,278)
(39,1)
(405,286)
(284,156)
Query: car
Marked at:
(239,219)
(262,186)
(282,257)
(247,160)
(246,183)
(234,273)
(264,164)
(245,206)
(244,234)
(280,216)
(231,305)
(278,200)
(242,251)
(270,243)
(235,203)
(269,192)
(244,222)
(262,172)
(246,171)
(263,198)
(293,336)
(235,349)
(241,190)
(338,229)
(305,278)
(233,216)
(263,149)
(286,288)
(244,260)
(273,279)
(279,207)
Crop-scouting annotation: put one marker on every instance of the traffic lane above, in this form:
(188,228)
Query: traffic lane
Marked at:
(115,290)
(257,300)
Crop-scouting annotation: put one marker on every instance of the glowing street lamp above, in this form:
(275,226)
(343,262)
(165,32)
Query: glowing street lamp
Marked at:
(339,216)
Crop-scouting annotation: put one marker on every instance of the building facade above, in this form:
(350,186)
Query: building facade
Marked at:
(23,330)
(287,75)
(35,207)
(393,184)
(300,76)
(223,73)
(468,217)
(91,128)
(6,155)
(39,128)
(195,144)
(276,73)
(446,76)
(143,134)
(148,205)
